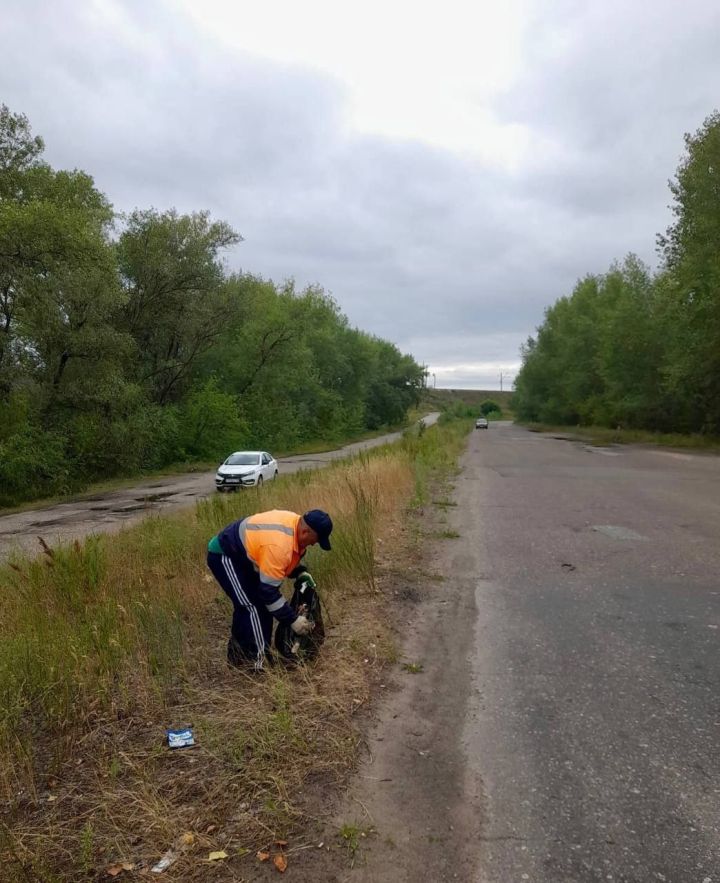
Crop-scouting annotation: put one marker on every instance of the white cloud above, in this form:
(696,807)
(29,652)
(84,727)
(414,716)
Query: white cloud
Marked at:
(447,172)
(411,72)
(476,375)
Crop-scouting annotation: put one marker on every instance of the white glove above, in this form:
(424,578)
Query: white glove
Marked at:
(302,626)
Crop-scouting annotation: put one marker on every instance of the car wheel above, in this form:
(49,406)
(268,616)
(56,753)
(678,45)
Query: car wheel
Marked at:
(276,475)
(259,481)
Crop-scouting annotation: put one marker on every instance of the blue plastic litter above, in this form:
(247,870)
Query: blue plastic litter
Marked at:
(180,738)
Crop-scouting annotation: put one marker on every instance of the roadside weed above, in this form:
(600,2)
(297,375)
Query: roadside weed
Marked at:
(86,847)
(352,836)
(105,643)
(444,503)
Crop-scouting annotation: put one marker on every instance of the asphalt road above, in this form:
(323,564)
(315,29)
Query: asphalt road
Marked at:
(110,511)
(597,672)
(566,725)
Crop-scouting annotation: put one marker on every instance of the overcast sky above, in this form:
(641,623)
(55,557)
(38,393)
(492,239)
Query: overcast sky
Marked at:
(445,170)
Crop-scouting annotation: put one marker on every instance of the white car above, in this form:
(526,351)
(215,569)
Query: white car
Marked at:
(246,469)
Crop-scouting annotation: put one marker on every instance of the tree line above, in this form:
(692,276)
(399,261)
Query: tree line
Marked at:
(127,345)
(638,349)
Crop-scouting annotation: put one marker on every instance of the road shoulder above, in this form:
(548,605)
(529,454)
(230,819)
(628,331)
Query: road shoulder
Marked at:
(414,808)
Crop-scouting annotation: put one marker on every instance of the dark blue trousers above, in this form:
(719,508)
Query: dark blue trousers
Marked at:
(251,624)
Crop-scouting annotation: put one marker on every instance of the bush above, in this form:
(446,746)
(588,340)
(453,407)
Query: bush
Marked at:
(157,435)
(457,410)
(489,406)
(146,438)
(210,424)
(32,464)
(15,414)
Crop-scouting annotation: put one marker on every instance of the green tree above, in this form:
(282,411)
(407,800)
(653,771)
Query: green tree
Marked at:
(53,233)
(559,381)
(691,250)
(396,385)
(210,424)
(489,406)
(176,305)
(19,151)
(126,352)
(631,349)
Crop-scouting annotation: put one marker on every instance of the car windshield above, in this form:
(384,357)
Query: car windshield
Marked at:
(243,460)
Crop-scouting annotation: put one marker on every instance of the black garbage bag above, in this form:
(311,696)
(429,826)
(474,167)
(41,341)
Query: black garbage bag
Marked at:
(306,602)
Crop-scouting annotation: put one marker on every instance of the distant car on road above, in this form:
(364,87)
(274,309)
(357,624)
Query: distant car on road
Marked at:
(246,469)
(481,423)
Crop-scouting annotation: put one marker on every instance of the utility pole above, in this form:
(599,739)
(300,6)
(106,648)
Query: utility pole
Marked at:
(434,382)
(501,389)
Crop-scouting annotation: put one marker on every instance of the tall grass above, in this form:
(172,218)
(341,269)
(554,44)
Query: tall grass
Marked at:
(104,642)
(355,546)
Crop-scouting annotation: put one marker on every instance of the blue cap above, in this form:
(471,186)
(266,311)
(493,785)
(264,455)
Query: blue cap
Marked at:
(322,524)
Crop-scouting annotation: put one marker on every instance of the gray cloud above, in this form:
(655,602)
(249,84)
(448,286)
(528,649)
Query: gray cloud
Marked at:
(451,258)
(614,93)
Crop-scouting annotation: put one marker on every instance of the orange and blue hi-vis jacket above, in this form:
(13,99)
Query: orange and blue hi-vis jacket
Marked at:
(264,549)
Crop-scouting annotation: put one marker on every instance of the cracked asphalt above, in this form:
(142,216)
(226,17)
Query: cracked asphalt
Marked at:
(566,724)
(110,511)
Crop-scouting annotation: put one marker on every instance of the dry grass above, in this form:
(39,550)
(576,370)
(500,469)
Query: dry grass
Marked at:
(105,644)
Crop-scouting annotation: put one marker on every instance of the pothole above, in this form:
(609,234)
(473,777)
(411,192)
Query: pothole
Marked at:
(617,532)
(154,498)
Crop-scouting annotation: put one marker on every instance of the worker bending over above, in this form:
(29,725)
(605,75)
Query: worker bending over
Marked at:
(250,558)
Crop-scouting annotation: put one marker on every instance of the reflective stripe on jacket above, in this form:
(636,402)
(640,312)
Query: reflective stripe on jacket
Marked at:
(270,541)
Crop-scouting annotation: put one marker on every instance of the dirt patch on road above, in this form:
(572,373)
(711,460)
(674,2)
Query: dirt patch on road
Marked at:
(415,807)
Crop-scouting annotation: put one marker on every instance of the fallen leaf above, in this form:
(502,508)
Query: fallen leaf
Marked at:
(281,843)
(187,839)
(51,798)
(243,851)
(210,829)
(280,863)
(263,855)
(217,856)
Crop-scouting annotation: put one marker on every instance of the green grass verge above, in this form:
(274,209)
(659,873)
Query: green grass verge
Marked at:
(605,435)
